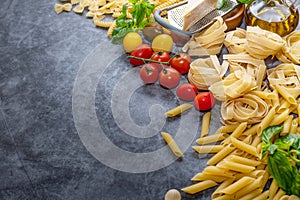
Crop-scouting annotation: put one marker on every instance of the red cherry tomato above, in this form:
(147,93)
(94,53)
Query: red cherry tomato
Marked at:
(142,51)
(149,73)
(181,63)
(204,101)
(161,56)
(187,92)
(158,66)
(169,78)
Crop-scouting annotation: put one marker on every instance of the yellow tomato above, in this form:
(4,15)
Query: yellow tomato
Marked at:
(162,42)
(131,41)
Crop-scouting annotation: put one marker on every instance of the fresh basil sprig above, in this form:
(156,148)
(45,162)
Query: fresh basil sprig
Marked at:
(141,16)
(284,149)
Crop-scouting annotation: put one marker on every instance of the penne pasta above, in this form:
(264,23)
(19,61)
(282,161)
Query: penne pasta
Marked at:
(205,124)
(203,177)
(273,189)
(252,130)
(211,138)
(251,195)
(178,110)
(262,196)
(287,125)
(229,165)
(285,94)
(213,170)
(238,185)
(208,148)
(266,121)
(280,118)
(172,144)
(249,188)
(245,147)
(243,160)
(220,155)
(239,130)
(198,187)
(280,193)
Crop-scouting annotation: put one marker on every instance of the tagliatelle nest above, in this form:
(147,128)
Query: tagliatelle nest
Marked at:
(207,42)
(248,108)
(206,71)
(234,85)
(235,41)
(254,67)
(285,78)
(290,53)
(261,43)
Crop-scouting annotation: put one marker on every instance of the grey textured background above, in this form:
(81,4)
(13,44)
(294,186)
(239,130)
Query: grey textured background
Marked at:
(41,154)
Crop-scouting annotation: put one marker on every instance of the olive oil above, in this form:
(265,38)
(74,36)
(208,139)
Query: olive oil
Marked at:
(272,15)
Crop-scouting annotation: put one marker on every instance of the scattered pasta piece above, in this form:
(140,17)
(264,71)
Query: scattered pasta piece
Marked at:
(59,8)
(172,144)
(178,110)
(78,9)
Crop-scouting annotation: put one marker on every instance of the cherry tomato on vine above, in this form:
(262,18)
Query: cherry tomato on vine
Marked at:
(187,92)
(161,57)
(142,51)
(169,78)
(149,73)
(158,66)
(204,101)
(181,63)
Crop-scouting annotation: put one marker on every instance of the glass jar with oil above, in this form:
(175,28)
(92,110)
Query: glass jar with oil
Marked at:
(272,15)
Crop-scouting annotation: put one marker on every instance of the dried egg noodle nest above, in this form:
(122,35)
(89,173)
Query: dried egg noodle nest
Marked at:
(207,42)
(254,67)
(247,108)
(290,52)
(234,85)
(206,71)
(286,79)
(261,43)
(235,41)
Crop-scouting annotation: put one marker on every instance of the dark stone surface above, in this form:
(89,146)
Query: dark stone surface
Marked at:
(41,154)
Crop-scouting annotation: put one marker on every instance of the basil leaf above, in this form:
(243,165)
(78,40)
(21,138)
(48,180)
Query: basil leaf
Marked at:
(139,14)
(269,132)
(221,4)
(296,185)
(288,141)
(149,10)
(281,170)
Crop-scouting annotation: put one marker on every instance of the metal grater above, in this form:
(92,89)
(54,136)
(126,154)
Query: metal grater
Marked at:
(175,17)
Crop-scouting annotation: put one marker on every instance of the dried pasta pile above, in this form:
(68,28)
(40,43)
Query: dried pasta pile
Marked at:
(249,105)
(99,9)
